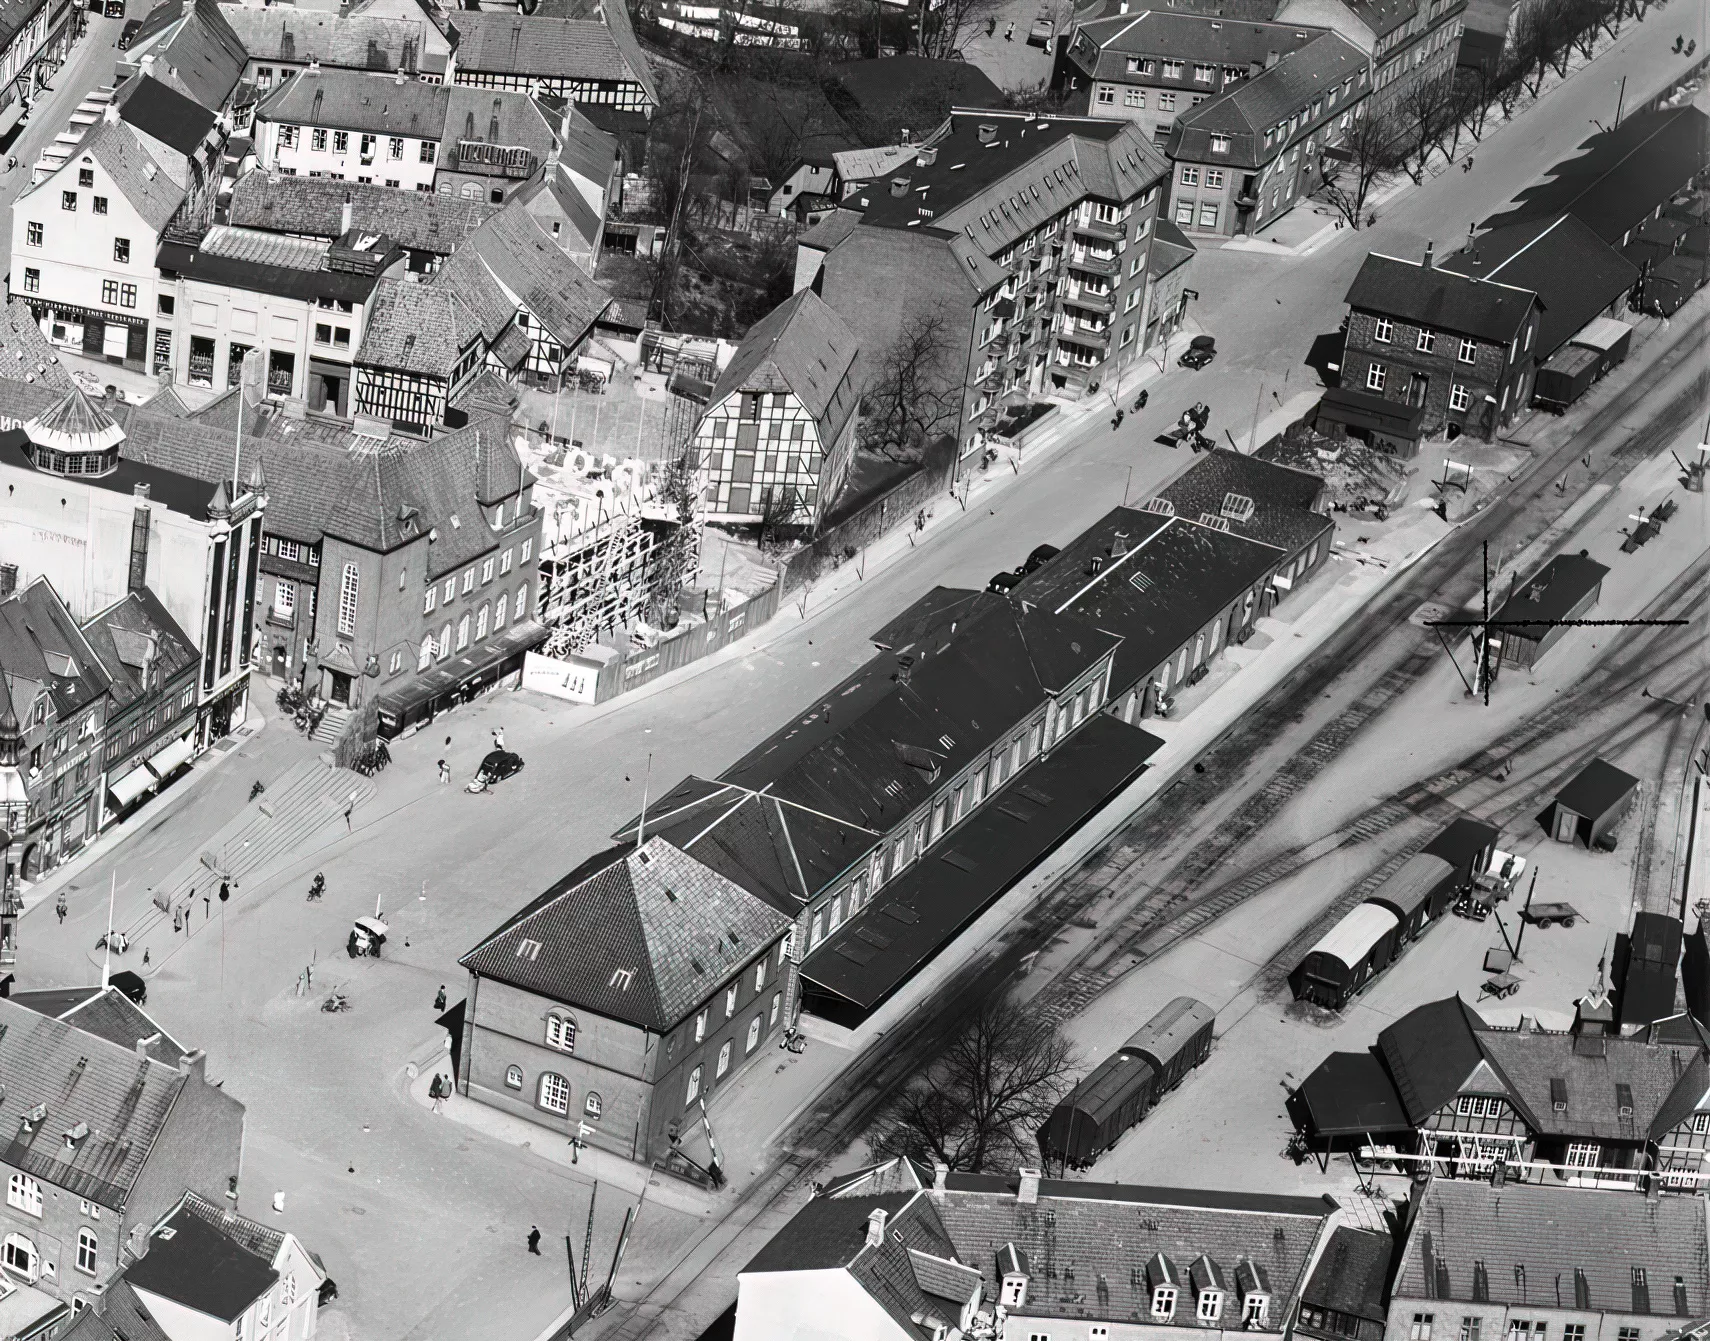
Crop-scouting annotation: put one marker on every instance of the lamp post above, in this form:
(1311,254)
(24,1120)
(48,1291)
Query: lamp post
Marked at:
(14,815)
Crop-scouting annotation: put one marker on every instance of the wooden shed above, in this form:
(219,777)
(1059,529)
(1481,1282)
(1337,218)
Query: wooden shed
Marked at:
(1352,953)
(1591,805)
(1565,588)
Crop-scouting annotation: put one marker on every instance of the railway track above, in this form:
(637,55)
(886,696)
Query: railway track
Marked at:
(1172,906)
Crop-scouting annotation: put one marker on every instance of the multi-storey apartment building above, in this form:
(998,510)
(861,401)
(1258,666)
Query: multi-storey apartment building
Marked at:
(1024,238)
(1246,157)
(351,126)
(1459,348)
(35,36)
(1151,66)
(1406,41)
(778,435)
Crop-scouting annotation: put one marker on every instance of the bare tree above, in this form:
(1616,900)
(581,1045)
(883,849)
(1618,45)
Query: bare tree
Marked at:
(914,392)
(1351,167)
(944,31)
(1534,44)
(979,1107)
(1475,90)
(1425,118)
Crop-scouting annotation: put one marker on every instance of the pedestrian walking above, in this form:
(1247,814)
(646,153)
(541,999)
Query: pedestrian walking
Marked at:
(60,909)
(225,890)
(145,956)
(439,998)
(207,906)
(534,1240)
(348,807)
(438,1091)
(309,975)
(177,921)
(1009,33)
(444,771)
(498,737)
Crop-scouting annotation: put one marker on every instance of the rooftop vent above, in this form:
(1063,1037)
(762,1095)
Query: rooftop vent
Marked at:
(1214,520)
(899,186)
(1237,507)
(988,132)
(1162,506)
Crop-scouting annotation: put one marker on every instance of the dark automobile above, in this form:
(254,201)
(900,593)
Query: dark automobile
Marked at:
(131,984)
(1039,558)
(496,767)
(130,32)
(1004,582)
(1200,351)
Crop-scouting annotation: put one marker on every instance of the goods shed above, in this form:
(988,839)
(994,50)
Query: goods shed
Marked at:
(1352,953)
(1591,805)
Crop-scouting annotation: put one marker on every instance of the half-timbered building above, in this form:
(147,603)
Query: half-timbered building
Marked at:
(592,61)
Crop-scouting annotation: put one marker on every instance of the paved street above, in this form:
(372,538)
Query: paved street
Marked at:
(358,1156)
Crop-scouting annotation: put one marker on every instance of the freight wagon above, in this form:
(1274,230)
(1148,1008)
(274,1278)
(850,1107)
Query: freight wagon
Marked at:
(1120,1090)
(1398,911)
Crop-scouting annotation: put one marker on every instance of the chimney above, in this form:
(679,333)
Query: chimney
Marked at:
(139,540)
(988,132)
(138,1240)
(346,220)
(1430,255)
(110,114)
(150,169)
(899,186)
(924,157)
(875,1227)
(398,78)
(1271,58)
(147,64)
(195,1064)
(1027,1190)
(940,1177)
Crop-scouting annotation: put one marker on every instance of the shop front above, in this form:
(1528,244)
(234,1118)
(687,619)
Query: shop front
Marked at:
(111,336)
(459,679)
(223,714)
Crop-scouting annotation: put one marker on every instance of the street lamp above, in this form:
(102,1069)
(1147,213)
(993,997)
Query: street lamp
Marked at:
(14,816)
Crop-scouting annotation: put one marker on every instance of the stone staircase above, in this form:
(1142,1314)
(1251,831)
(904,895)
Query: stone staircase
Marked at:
(332,725)
(263,836)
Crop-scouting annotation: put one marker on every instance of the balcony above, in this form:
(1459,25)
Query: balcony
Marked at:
(1086,336)
(1094,264)
(1109,232)
(1089,301)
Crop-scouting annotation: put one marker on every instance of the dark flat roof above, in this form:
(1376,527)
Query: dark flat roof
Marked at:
(917,915)
(1463,840)
(1364,409)
(1350,1094)
(181,493)
(1071,1189)
(1550,594)
(253,277)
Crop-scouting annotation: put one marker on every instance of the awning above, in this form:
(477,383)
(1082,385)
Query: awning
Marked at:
(175,755)
(457,672)
(132,785)
(921,911)
(1362,409)
(1350,1094)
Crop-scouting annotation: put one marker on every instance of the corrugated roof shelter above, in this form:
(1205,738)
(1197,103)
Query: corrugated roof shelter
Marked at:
(1565,588)
(1591,805)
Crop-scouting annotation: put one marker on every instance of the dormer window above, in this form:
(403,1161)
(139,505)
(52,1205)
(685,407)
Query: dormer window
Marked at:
(1014,1293)
(1164,1302)
(1254,1309)
(1210,1307)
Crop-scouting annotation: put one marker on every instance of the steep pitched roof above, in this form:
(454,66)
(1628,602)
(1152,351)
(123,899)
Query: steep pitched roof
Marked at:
(356,101)
(108,1013)
(122,1100)
(419,220)
(1352,1274)
(1430,296)
(200,56)
(500,116)
(164,113)
(1259,499)
(1430,1052)
(1101,46)
(885,82)
(551,48)
(153,194)
(1575,273)
(43,650)
(1527,1236)
(418,328)
(194,1263)
(121,1317)
(346,41)
(521,257)
(804,347)
(642,935)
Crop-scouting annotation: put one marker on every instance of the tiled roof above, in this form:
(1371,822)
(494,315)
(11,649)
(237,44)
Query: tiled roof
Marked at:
(498,116)
(1101,47)
(164,113)
(1527,1237)
(115,147)
(263,1240)
(419,328)
(201,57)
(121,1317)
(353,42)
(123,1100)
(25,352)
(548,48)
(1282,498)
(641,935)
(1352,1273)
(43,651)
(419,220)
(1245,111)
(1542,1070)
(1412,291)
(1575,273)
(585,149)
(112,1015)
(356,101)
(522,258)
(804,347)
(256,247)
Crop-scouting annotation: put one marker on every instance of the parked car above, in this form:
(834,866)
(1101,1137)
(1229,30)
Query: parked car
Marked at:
(131,984)
(1004,582)
(1200,351)
(495,768)
(129,33)
(1039,558)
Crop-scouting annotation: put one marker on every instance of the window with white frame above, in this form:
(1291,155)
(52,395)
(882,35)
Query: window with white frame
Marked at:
(1190,175)
(555,1094)
(1214,178)
(24,1193)
(1459,396)
(1164,1302)
(1254,1307)
(1376,376)
(759,975)
(700,1026)
(753,1035)
(1383,330)
(86,1246)
(1210,1307)
(1133,97)
(723,1059)
(1468,351)
(514,1076)
(694,1089)
(561,1032)
(347,591)
(20,1256)
(1421,1329)
(1207,214)
(730,1001)
(284,598)
(1427,341)
(1219,144)
(1107,94)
